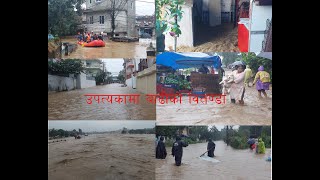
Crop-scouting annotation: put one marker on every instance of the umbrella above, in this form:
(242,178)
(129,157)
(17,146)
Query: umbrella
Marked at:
(237,63)
(145,35)
(251,141)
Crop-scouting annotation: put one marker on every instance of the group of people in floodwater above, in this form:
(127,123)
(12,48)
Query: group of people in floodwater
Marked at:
(257,144)
(242,76)
(88,37)
(177,149)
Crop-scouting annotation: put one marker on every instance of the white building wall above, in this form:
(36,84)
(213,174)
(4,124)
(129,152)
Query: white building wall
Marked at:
(257,25)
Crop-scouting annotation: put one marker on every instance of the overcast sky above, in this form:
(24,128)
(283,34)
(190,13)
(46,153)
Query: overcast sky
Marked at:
(145,7)
(114,65)
(100,126)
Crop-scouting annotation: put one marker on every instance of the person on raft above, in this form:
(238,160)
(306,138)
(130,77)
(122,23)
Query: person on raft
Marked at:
(91,35)
(88,38)
(211,147)
(177,150)
(161,152)
(100,36)
(95,37)
(79,37)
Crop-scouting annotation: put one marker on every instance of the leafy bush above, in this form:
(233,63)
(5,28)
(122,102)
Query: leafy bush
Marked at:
(100,78)
(178,82)
(238,142)
(267,141)
(68,66)
(169,142)
(254,62)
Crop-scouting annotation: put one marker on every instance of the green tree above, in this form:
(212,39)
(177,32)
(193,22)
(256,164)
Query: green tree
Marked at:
(62,17)
(229,57)
(169,131)
(121,77)
(101,77)
(67,66)
(215,133)
(254,62)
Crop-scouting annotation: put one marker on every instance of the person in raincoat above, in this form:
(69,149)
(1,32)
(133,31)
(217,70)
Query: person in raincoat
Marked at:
(237,88)
(248,75)
(261,147)
(177,150)
(262,79)
(210,148)
(161,152)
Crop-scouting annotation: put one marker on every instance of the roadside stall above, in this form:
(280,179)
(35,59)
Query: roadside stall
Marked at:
(183,73)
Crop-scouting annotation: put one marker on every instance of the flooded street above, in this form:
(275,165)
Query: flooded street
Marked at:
(233,165)
(255,111)
(111,50)
(72,105)
(102,156)
(222,38)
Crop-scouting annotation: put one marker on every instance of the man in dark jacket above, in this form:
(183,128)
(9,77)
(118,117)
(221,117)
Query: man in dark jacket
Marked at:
(210,148)
(177,150)
(161,152)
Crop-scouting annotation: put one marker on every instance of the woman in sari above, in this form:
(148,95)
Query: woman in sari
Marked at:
(237,89)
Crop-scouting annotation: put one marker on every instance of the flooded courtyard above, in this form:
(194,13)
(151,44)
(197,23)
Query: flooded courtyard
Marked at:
(72,105)
(228,164)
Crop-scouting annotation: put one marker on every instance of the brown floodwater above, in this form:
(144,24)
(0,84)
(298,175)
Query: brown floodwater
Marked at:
(255,111)
(111,50)
(228,164)
(101,157)
(72,105)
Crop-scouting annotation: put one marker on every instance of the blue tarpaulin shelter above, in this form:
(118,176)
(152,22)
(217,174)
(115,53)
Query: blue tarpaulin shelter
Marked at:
(187,60)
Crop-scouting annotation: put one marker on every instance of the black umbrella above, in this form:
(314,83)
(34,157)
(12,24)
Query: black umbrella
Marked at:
(251,141)
(237,63)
